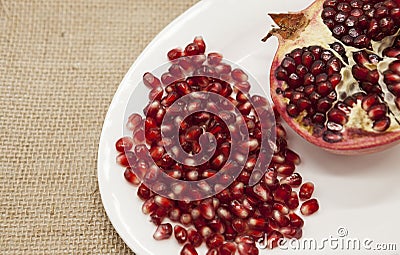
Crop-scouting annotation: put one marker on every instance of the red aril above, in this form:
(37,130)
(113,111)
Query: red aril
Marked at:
(238,212)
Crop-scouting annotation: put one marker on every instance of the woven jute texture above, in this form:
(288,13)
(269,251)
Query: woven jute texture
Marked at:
(60,63)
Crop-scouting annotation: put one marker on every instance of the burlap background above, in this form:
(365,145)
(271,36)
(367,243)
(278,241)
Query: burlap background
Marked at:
(60,64)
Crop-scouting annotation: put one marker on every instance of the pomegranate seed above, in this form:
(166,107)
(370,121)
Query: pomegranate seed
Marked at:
(186,219)
(126,159)
(282,193)
(149,206)
(239,75)
(139,136)
(377,112)
(164,231)
(192,49)
(134,121)
(194,238)
(285,169)
(180,234)
(293,201)
(238,209)
(258,223)
(283,209)
(382,125)
(188,249)
(295,220)
(151,81)
(309,207)
(306,190)
(205,231)
(131,177)
(198,40)
(207,209)
(247,249)
(293,157)
(228,248)
(213,252)
(124,144)
(163,202)
(214,58)
(175,214)
(175,54)
(215,240)
(293,180)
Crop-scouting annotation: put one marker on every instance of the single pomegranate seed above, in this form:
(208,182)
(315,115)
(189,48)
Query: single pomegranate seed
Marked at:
(143,192)
(306,190)
(238,209)
(213,252)
(126,159)
(295,220)
(124,144)
(215,240)
(309,207)
(149,206)
(228,248)
(131,177)
(194,238)
(151,81)
(293,180)
(198,40)
(188,249)
(382,125)
(175,54)
(180,234)
(164,231)
(134,121)
(247,249)
(293,201)
(285,169)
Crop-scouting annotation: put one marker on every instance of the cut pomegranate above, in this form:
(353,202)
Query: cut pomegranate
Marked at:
(338,88)
(239,213)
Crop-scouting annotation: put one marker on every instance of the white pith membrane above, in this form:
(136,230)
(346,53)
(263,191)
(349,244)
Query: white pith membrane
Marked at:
(316,33)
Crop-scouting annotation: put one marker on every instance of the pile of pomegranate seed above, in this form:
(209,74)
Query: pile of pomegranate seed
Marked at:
(232,221)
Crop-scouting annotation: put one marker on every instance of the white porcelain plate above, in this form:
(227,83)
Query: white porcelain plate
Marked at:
(359,196)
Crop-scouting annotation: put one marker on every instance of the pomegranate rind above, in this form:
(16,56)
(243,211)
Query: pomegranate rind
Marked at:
(355,141)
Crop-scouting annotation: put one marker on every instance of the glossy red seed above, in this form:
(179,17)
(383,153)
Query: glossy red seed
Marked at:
(124,144)
(293,202)
(228,248)
(194,238)
(213,252)
(180,234)
(134,121)
(306,190)
(175,54)
(309,207)
(293,180)
(149,206)
(151,81)
(285,169)
(126,159)
(215,240)
(295,220)
(198,40)
(131,177)
(163,231)
(188,249)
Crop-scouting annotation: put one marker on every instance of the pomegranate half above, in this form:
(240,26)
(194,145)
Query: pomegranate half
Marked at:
(335,78)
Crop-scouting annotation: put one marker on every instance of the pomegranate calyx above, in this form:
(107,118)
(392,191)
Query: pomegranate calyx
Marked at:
(290,25)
